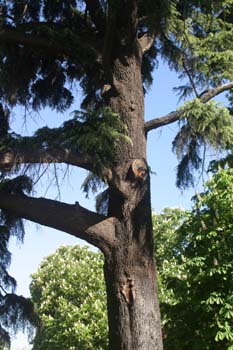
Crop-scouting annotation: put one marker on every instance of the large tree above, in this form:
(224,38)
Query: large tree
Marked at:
(110,49)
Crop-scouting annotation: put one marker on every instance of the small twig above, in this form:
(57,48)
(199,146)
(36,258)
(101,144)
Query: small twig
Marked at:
(4,291)
(57,181)
(40,176)
(190,79)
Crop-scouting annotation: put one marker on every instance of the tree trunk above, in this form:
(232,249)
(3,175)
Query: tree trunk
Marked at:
(133,311)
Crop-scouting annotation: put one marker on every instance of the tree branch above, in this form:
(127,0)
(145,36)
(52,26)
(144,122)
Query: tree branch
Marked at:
(73,219)
(162,121)
(16,37)
(191,80)
(10,158)
(85,42)
(175,115)
(209,94)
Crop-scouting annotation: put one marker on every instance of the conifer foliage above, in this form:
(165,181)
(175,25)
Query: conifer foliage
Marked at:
(15,311)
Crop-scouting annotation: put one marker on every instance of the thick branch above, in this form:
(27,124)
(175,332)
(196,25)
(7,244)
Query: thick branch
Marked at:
(50,47)
(15,37)
(175,116)
(10,159)
(73,219)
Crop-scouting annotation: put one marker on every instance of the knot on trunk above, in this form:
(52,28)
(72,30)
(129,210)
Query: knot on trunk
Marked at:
(128,291)
(138,171)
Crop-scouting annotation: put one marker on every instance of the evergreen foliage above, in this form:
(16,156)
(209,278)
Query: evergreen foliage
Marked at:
(194,37)
(204,125)
(15,311)
(95,133)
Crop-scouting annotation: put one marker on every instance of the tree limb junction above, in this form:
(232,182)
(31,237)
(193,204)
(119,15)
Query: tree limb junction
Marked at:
(96,229)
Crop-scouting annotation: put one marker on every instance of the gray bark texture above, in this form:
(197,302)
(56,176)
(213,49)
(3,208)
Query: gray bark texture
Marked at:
(133,310)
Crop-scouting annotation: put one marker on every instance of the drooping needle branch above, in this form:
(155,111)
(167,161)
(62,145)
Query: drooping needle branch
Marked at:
(175,115)
(17,37)
(86,42)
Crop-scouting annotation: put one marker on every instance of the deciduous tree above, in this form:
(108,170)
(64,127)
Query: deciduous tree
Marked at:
(69,295)
(195,269)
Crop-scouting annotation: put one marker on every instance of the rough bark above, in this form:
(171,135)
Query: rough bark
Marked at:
(133,311)
(146,41)
(10,158)
(134,318)
(73,219)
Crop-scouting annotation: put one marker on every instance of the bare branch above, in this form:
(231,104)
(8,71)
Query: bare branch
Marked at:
(190,77)
(10,158)
(4,291)
(162,121)
(73,219)
(175,115)
(209,94)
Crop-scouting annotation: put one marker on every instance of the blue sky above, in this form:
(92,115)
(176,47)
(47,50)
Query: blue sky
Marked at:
(41,241)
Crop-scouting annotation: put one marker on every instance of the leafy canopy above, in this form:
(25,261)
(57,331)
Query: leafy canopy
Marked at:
(68,292)
(194,37)
(195,269)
